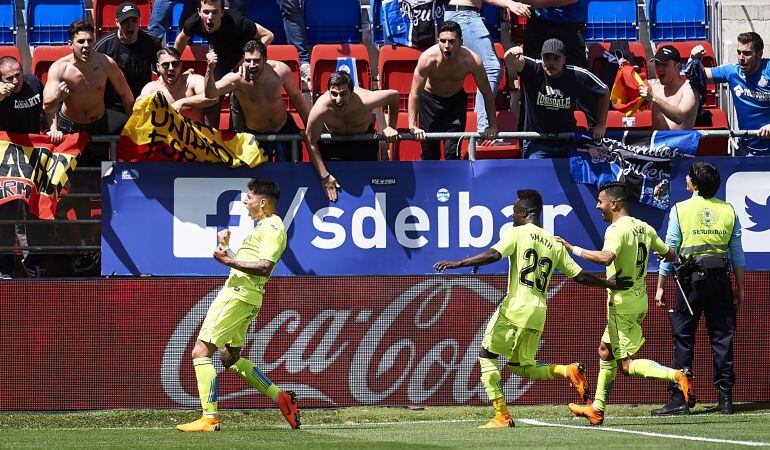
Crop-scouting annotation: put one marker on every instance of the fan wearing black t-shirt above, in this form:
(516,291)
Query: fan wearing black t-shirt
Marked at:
(134,50)
(551,90)
(226,34)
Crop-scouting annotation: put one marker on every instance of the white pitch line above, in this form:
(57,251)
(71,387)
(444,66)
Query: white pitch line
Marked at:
(647,433)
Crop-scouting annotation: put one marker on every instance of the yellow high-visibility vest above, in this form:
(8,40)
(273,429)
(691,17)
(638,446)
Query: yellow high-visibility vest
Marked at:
(706,225)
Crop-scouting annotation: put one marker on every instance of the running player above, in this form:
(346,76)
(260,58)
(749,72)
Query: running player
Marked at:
(627,245)
(514,329)
(237,304)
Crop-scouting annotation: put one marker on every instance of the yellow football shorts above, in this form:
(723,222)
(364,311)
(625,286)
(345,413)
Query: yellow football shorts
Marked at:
(227,320)
(518,345)
(624,333)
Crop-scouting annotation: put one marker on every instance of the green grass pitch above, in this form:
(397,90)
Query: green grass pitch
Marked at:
(377,427)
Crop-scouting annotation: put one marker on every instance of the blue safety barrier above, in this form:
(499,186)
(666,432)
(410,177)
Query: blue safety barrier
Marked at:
(48,20)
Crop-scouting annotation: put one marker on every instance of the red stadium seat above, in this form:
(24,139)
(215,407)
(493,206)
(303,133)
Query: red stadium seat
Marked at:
(323,61)
(288,55)
(405,150)
(581,121)
(712,119)
(7,50)
(506,121)
(502,96)
(44,56)
(194,57)
(640,121)
(709,60)
(104,14)
(596,57)
(396,68)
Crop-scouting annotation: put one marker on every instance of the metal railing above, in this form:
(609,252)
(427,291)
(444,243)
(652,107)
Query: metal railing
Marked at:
(473,140)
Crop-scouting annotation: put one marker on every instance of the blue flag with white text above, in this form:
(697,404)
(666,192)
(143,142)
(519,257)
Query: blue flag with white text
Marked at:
(640,159)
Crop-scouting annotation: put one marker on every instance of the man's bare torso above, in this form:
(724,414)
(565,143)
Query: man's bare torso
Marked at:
(86,82)
(261,102)
(674,97)
(445,77)
(183,88)
(356,118)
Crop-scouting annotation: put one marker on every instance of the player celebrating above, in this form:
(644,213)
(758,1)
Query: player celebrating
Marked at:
(514,329)
(627,245)
(237,304)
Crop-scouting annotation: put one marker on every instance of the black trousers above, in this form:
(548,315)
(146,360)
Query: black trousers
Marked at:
(442,114)
(713,298)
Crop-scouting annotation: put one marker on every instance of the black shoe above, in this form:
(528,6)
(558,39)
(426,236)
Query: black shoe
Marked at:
(725,400)
(675,406)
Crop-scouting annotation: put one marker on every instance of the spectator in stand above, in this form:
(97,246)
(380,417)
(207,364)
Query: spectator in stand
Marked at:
(551,89)
(258,85)
(437,97)
(294,25)
(467,13)
(226,34)
(21,111)
(161,14)
(749,82)
(184,91)
(135,52)
(674,103)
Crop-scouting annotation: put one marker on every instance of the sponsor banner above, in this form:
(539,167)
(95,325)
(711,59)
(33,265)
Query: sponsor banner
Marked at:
(157,132)
(34,170)
(112,343)
(162,219)
(391,218)
(641,160)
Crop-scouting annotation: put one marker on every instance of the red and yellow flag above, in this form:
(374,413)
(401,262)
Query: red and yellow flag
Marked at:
(625,91)
(157,132)
(34,170)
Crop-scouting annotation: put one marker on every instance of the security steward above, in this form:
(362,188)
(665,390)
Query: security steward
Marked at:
(704,229)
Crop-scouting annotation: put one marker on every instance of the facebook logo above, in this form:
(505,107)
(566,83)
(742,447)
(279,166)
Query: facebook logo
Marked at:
(749,193)
(205,206)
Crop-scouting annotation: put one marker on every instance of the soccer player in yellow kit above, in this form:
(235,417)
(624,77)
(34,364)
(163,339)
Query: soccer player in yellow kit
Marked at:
(514,329)
(627,245)
(237,304)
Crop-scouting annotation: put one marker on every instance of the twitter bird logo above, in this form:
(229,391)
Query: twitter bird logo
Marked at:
(759,214)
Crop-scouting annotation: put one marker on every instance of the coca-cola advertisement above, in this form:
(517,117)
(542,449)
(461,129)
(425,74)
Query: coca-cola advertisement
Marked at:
(335,341)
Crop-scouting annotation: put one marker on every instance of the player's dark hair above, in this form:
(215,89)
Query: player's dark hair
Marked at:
(255,46)
(705,177)
(266,187)
(78,26)
(452,27)
(754,39)
(8,60)
(170,51)
(532,200)
(339,79)
(616,191)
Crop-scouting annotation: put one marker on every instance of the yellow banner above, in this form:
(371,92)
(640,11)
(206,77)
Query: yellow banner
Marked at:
(157,132)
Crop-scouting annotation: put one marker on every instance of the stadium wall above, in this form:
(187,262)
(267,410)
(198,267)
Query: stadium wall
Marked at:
(336,341)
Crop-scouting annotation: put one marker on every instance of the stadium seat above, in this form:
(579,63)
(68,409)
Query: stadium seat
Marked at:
(173,29)
(333,21)
(7,22)
(7,50)
(709,60)
(43,57)
(396,67)
(323,61)
(712,119)
(610,20)
(677,20)
(104,14)
(640,121)
(491,14)
(194,57)
(581,121)
(405,150)
(596,57)
(288,55)
(502,96)
(506,121)
(268,15)
(48,20)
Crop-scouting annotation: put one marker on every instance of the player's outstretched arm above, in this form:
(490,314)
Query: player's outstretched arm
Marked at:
(488,256)
(602,257)
(615,282)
